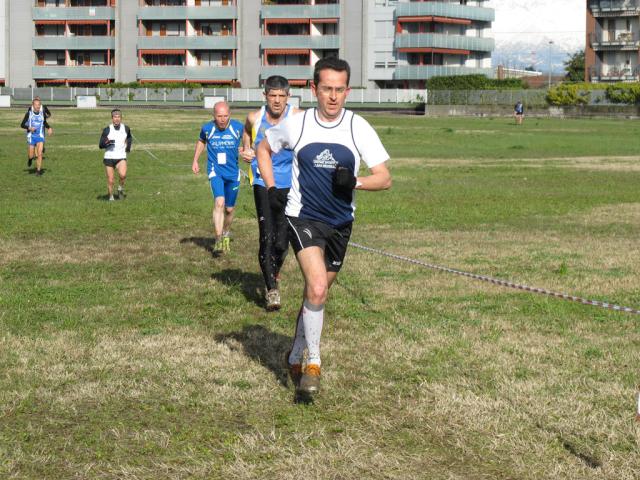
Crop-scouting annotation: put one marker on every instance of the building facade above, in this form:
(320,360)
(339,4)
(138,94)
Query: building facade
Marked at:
(388,43)
(613,41)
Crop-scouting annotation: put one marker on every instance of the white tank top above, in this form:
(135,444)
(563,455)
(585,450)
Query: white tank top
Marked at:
(119,149)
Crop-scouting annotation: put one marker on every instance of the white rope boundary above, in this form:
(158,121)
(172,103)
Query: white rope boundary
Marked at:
(497,281)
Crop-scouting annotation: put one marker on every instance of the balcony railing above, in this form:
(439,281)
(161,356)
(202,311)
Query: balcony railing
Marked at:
(191,13)
(179,73)
(300,11)
(438,40)
(442,9)
(55,72)
(205,42)
(614,73)
(73,43)
(614,6)
(295,72)
(319,42)
(422,72)
(610,40)
(74,13)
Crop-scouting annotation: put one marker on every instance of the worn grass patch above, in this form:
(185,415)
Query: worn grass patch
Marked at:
(127,350)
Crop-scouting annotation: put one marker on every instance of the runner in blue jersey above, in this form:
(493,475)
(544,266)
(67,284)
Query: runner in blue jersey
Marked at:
(518,112)
(272,224)
(222,138)
(35,123)
(328,144)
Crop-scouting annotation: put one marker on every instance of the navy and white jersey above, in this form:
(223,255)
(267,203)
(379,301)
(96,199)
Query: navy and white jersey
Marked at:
(519,108)
(281,160)
(222,148)
(318,148)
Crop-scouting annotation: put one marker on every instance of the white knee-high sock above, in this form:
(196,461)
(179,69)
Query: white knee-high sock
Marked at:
(299,342)
(313,318)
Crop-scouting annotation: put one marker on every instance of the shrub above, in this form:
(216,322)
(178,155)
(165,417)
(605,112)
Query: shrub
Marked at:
(474,82)
(567,94)
(628,93)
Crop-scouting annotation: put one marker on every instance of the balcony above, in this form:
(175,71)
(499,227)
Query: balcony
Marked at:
(300,11)
(438,40)
(73,43)
(74,13)
(300,72)
(422,72)
(205,42)
(608,8)
(612,73)
(441,9)
(184,13)
(182,73)
(313,42)
(55,72)
(603,40)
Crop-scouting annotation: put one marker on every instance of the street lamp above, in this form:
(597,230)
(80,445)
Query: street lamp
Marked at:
(549,55)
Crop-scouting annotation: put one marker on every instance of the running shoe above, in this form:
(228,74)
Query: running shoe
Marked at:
(226,244)
(121,194)
(38,173)
(273,300)
(218,247)
(111,198)
(294,370)
(310,380)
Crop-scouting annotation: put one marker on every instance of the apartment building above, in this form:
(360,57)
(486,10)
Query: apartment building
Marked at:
(411,41)
(389,43)
(613,41)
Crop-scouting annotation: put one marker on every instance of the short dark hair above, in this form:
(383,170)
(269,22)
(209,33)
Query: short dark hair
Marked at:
(116,110)
(276,82)
(331,63)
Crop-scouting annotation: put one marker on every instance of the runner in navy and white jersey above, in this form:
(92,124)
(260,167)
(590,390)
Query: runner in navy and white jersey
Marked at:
(328,143)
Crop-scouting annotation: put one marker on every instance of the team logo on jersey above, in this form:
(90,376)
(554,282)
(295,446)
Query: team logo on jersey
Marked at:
(227,137)
(325,160)
(308,232)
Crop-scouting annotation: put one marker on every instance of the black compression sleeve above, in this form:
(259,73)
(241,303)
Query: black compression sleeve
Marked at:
(129,138)
(104,138)
(25,121)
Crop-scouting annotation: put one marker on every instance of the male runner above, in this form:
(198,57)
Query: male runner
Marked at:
(274,240)
(328,143)
(518,112)
(116,140)
(35,123)
(222,137)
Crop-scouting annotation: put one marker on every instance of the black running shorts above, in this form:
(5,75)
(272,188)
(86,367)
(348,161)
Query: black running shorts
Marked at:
(112,162)
(309,233)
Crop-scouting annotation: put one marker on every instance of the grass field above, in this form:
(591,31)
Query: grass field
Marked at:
(128,351)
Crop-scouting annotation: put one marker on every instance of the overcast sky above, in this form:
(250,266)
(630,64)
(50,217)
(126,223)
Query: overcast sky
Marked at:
(562,21)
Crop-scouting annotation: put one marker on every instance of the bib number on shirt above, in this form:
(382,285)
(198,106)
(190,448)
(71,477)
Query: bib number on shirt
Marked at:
(222,158)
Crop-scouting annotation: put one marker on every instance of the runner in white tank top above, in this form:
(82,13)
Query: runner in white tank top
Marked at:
(328,143)
(116,141)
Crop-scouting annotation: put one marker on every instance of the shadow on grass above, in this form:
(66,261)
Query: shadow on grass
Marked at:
(205,243)
(268,349)
(262,346)
(249,283)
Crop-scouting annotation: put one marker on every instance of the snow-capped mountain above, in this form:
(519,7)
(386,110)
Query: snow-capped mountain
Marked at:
(524,28)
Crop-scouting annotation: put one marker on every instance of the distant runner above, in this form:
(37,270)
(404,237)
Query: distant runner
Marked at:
(116,140)
(222,138)
(35,123)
